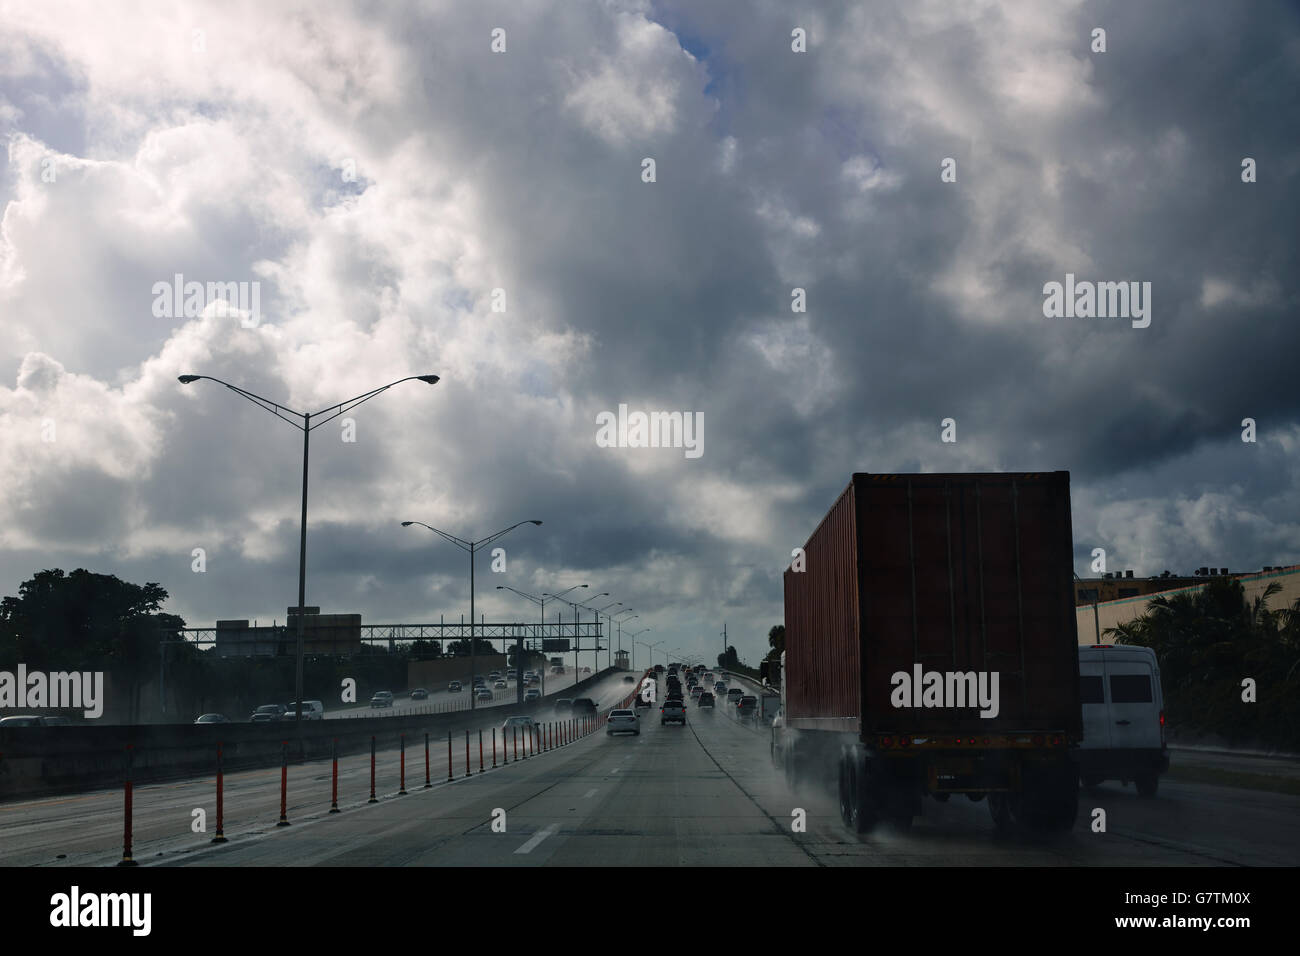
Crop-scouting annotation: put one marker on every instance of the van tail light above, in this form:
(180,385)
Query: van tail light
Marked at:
(1162,728)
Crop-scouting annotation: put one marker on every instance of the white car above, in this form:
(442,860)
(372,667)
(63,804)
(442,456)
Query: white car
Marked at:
(500,683)
(382,698)
(519,724)
(483,694)
(311,710)
(622,722)
(1123,717)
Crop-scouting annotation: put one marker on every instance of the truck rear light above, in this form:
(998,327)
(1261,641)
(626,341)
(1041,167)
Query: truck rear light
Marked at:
(1038,740)
(905,741)
(886,742)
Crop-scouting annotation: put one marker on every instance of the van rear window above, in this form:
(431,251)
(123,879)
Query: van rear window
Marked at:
(1090,690)
(1130,689)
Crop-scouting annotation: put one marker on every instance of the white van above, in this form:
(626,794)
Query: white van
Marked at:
(1123,717)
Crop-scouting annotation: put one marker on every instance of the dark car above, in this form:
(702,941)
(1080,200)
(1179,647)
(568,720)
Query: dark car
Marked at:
(268,714)
(746,706)
(584,705)
(706,700)
(419,694)
(564,705)
(673,711)
(212,719)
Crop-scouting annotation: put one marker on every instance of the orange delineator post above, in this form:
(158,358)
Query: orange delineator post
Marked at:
(427,782)
(334,777)
(372,771)
(126,830)
(401,789)
(221,834)
(449,773)
(514,739)
(480,751)
(467,770)
(284,783)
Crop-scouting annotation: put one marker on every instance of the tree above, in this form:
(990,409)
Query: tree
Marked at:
(87,621)
(729,659)
(424,650)
(776,640)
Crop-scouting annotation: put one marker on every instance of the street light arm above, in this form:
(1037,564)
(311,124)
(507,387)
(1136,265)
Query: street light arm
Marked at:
(459,542)
(492,537)
(275,408)
(506,587)
(352,403)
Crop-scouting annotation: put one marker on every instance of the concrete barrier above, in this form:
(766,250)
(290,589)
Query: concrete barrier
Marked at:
(44,761)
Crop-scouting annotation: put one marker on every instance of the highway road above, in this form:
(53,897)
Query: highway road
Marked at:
(441,700)
(704,794)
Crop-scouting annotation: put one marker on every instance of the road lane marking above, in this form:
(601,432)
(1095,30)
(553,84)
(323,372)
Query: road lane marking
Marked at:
(590,793)
(535,839)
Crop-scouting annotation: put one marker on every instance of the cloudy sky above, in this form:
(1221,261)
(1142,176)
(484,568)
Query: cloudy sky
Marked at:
(378,170)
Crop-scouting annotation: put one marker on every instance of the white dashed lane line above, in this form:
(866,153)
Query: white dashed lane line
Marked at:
(535,839)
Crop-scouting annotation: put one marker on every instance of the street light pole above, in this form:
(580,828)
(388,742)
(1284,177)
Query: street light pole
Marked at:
(542,602)
(472,547)
(280,411)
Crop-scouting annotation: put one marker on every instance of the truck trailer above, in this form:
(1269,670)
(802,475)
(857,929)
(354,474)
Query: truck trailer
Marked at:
(931,649)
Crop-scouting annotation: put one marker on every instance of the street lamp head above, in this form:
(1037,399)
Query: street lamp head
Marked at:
(431,379)
(407,524)
(538,523)
(186,379)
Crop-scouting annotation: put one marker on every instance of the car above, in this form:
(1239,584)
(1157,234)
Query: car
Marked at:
(584,705)
(659,668)
(479,681)
(719,686)
(673,711)
(734,694)
(642,701)
(382,698)
(419,694)
(629,679)
(483,694)
(311,710)
(557,669)
(23,720)
(532,694)
(706,700)
(500,683)
(622,722)
(586,670)
(564,705)
(696,690)
(212,719)
(519,724)
(267,714)
(454,687)
(57,721)
(747,706)
(709,678)
(494,675)
(1123,717)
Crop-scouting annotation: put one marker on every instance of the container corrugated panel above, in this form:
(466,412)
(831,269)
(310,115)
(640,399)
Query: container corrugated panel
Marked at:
(965,573)
(952,572)
(821,626)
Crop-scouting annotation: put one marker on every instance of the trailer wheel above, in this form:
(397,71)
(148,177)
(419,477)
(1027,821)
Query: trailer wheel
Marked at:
(858,804)
(1003,807)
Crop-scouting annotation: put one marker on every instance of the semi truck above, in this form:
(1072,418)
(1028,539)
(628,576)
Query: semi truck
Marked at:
(931,650)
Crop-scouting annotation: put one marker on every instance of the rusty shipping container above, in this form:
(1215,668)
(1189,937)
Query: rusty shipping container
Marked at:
(951,572)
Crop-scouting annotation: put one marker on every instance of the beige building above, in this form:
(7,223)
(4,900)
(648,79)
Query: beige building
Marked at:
(1122,610)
